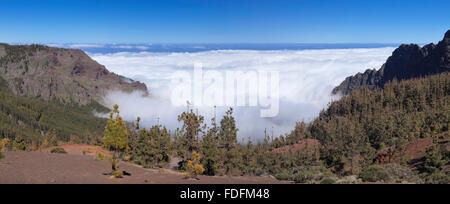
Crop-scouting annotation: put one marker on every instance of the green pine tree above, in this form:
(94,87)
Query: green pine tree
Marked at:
(116,137)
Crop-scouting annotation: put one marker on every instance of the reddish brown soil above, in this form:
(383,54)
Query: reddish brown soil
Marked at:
(79,149)
(418,149)
(415,151)
(46,168)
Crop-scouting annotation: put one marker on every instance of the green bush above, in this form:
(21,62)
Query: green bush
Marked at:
(438,178)
(282,176)
(402,174)
(1,155)
(259,172)
(304,176)
(19,144)
(374,173)
(117,174)
(328,181)
(101,156)
(58,151)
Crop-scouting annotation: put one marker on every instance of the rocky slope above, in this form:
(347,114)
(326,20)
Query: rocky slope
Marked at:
(56,73)
(407,61)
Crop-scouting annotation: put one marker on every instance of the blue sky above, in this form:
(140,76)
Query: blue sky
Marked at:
(223,21)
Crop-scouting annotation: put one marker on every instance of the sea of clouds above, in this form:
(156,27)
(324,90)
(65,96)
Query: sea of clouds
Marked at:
(307,78)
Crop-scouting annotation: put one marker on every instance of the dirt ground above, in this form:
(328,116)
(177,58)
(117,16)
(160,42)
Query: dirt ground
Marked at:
(79,149)
(47,168)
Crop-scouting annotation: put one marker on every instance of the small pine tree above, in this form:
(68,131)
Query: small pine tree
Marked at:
(153,147)
(192,127)
(210,154)
(209,148)
(134,137)
(228,139)
(116,137)
(435,161)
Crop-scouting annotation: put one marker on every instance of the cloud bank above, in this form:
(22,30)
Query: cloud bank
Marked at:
(138,47)
(306,80)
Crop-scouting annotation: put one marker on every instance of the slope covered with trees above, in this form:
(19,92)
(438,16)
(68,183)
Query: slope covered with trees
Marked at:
(348,138)
(48,95)
(355,128)
(43,123)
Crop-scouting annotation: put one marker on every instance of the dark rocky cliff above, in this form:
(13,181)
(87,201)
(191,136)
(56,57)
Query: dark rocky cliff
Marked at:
(407,61)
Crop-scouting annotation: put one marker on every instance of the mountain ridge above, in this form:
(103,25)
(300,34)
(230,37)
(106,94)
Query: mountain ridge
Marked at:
(69,75)
(407,61)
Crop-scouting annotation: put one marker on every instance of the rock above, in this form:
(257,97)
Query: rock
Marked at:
(56,73)
(406,62)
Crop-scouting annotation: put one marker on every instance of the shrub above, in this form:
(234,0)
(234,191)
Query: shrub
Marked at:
(374,173)
(282,176)
(328,181)
(58,151)
(353,179)
(86,151)
(402,174)
(5,143)
(19,144)
(101,156)
(1,155)
(186,175)
(438,178)
(117,174)
(311,174)
(435,159)
(236,172)
(259,172)
(304,176)
(194,167)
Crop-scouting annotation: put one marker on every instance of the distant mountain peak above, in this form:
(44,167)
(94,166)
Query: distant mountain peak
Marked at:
(407,61)
(447,34)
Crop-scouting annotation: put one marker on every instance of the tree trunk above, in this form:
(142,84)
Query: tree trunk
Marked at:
(114,158)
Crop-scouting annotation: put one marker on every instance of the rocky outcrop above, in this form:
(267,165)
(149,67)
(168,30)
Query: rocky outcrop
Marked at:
(406,62)
(55,73)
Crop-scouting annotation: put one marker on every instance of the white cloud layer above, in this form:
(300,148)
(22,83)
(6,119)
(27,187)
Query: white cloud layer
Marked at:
(80,46)
(306,80)
(138,47)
